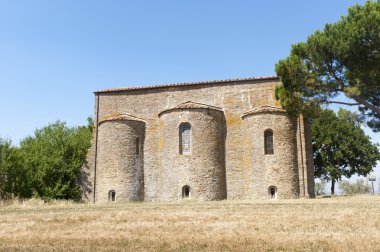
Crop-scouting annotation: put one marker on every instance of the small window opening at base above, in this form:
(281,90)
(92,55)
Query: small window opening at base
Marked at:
(186,191)
(112,196)
(272,192)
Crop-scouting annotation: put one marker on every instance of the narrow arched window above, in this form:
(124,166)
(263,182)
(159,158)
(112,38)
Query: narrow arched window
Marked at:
(112,196)
(268,142)
(185,139)
(137,145)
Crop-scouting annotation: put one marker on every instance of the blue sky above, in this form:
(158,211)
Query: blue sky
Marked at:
(54,54)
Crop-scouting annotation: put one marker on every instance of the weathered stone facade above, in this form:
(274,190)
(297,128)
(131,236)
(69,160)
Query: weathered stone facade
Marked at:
(137,148)
(120,159)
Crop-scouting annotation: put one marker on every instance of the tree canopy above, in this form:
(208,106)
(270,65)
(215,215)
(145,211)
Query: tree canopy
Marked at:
(344,58)
(14,177)
(6,152)
(340,147)
(47,164)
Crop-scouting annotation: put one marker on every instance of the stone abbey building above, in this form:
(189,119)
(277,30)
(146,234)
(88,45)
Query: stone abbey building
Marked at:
(213,140)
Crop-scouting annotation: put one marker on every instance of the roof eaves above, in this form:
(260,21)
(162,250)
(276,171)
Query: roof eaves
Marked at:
(186,84)
(191,105)
(264,109)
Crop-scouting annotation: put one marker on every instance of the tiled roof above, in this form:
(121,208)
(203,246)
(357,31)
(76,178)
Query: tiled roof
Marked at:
(264,109)
(118,116)
(192,105)
(188,84)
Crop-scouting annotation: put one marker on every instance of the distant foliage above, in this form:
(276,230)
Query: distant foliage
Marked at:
(340,147)
(358,187)
(320,188)
(46,165)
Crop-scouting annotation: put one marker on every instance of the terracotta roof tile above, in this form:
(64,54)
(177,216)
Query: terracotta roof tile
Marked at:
(191,105)
(187,84)
(119,116)
(263,109)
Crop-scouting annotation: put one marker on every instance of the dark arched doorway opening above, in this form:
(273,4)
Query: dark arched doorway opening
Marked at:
(186,191)
(272,191)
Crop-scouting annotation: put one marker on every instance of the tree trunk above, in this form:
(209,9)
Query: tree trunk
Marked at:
(366,104)
(332,187)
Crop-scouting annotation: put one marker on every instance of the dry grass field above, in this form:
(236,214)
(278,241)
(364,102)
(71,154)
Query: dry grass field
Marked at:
(328,224)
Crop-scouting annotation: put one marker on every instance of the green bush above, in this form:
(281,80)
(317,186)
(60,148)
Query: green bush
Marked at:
(358,187)
(47,164)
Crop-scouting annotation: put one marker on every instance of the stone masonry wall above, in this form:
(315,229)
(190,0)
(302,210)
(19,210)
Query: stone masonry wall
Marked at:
(305,158)
(203,169)
(120,164)
(234,97)
(309,160)
(278,169)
